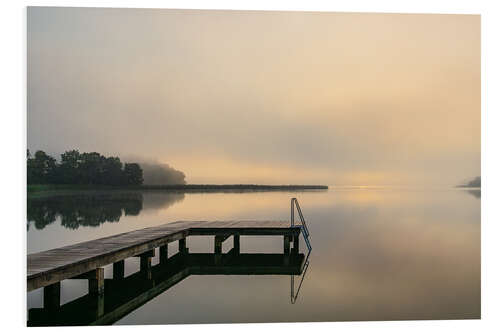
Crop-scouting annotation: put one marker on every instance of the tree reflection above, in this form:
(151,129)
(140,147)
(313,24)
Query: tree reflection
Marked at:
(475,193)
(88,209)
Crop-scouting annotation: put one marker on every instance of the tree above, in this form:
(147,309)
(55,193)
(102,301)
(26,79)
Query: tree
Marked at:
(112,173)
(30,168)
(91,168)
(81,168)
(133,174)
(69,167)
(41,169)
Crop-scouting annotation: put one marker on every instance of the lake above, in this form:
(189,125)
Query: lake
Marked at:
(378,253)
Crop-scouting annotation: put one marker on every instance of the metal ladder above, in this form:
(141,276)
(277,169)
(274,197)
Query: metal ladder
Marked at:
(305,233)
(303,226)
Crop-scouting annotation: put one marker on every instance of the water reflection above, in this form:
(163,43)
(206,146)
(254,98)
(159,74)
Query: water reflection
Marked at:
(161,200)
(379,254)
(475,193)
(295,294)
(92,209)
(123,295)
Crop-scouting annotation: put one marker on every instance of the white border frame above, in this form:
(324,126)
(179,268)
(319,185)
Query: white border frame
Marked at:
(13,131)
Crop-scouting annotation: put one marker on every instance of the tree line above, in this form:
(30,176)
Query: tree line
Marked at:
(81,168)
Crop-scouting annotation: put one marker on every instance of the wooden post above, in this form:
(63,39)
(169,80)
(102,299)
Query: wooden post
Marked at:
(218,245)
(236,244)
(286,244)
(119,270)
(163,254)
(182,245)
(100,306)
(145,266)
(145,263)
(218,249)
(52,296)
(96,282)
(296,243)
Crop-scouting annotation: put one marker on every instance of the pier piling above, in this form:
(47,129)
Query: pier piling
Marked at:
(96,281)
(295,244)
(119,270)
(236,244)
(163,254)
(52,296)
(182,245)
(286,244)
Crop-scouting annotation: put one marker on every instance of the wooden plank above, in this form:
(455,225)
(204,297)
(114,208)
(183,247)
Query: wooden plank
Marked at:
(147,254)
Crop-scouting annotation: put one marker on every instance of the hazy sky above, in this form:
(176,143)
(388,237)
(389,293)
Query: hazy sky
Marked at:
(261,97)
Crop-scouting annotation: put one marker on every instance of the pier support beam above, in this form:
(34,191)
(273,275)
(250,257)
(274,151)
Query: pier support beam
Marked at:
(286,248)
(286,244)
(182,246)
(218,244)
(163,254)
(100,306)
(295,244)
(96,281)
(236,244)
(52,296)
(219,239)
(145,265)
(119,270)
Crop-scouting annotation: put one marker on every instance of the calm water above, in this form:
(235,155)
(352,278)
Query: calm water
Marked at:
(378,254)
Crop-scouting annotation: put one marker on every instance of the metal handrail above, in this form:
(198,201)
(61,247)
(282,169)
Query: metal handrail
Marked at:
(305,232)
(293,295)
(295,204)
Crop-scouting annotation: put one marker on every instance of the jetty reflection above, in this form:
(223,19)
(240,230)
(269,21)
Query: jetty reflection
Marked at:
(122,295)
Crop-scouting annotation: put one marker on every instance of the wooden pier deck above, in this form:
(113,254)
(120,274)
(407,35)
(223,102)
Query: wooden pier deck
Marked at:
(85,260)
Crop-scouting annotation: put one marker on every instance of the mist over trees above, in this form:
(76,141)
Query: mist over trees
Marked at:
(162,174)
(476,182)
(81,168)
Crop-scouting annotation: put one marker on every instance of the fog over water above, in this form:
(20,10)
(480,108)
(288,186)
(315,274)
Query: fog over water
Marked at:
(261,97)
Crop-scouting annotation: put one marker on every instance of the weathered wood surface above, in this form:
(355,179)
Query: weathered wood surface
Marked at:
(48,267)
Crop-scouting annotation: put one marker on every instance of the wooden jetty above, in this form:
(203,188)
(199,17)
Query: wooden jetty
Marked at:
(86,260)
(110,299)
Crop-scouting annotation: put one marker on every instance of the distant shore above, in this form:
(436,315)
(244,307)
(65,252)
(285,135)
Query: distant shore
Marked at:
(474,183)
(178,188)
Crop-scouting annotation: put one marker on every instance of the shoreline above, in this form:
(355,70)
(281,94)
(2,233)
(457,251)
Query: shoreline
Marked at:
(176,188)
